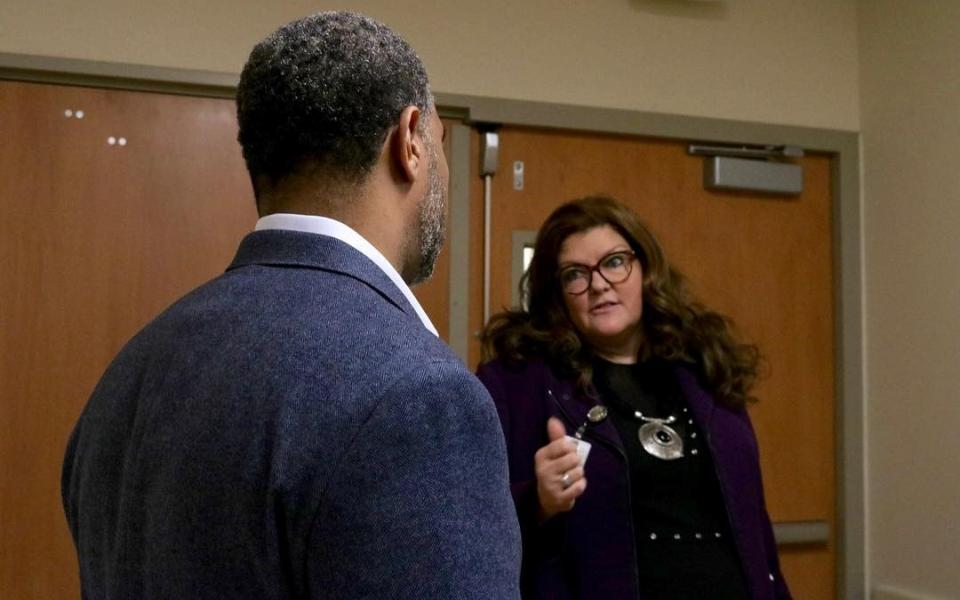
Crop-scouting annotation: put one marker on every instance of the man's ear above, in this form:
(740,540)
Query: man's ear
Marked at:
(408,149)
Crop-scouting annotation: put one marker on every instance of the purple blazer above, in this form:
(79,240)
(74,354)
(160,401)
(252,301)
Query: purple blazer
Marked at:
(589,552)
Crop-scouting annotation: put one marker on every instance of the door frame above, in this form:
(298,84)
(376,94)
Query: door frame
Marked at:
(843,146)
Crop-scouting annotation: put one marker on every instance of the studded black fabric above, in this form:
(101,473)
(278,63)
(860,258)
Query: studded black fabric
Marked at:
(684,546)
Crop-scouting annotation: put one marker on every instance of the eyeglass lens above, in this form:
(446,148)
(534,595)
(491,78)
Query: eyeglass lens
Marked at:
(614,268)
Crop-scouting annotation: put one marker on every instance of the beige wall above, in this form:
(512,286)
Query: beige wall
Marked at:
(771,61)
(910,111)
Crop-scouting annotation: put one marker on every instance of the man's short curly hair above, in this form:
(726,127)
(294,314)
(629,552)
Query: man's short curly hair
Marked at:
(324,91)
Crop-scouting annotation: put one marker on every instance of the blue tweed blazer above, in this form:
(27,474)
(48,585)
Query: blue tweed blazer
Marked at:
(291,430)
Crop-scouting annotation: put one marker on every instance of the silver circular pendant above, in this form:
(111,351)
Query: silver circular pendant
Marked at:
(661,440)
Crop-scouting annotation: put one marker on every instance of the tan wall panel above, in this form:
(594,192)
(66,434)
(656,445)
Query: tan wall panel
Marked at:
(911,219)
(775,61)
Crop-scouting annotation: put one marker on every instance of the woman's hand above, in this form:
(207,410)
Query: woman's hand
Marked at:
(560,479)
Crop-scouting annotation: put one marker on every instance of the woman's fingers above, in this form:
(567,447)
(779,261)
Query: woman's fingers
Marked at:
(559,493)
(568,480)
(555,429)
(558,448)
(568,497)
(560,481)
(555,458)
(560,478)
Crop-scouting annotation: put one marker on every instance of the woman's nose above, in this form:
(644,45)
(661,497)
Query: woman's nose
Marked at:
(597,281)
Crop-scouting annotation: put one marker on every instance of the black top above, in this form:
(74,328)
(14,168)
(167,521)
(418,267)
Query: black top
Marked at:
(684,546)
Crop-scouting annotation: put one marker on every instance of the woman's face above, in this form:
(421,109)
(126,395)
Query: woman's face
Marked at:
(607,315)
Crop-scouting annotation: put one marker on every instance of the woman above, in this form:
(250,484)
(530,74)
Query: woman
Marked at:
(614,359)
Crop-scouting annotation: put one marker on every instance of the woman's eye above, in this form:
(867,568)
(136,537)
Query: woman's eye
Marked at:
(614,261)
(571,275)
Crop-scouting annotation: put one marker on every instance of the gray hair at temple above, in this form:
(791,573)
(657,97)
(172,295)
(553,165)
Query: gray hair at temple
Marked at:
(320,95)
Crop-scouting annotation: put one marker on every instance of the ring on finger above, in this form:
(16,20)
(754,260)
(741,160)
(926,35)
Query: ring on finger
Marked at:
(565,481)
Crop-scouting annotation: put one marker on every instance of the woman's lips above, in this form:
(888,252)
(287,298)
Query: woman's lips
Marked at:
(602,307)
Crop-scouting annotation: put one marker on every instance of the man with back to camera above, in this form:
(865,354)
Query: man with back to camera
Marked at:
(295,428)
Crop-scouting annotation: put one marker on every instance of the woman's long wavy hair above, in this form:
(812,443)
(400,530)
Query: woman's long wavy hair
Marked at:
(676,327)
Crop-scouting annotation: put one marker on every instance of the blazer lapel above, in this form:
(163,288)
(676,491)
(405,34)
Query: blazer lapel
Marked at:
(573,405)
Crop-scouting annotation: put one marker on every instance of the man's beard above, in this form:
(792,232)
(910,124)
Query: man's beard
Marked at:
(431,226)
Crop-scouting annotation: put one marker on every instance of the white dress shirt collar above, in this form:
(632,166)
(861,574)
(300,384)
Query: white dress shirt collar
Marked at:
(336,229)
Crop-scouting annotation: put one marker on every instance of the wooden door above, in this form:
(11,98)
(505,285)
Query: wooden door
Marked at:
(764,261)
(114,205)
